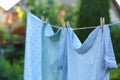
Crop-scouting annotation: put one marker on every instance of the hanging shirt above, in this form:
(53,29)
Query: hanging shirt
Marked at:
(32,61)
(41,50)
(92,60)
(50,50)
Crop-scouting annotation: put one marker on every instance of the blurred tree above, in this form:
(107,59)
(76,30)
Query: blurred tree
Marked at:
(61,17)
(51,8)
(10,71)
(48,9)
(71,13)
(90,13)
(115,34)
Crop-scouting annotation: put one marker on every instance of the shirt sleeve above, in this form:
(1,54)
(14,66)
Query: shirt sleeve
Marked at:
(110,61)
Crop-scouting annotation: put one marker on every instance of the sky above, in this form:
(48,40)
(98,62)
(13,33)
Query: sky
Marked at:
(7,4)
(118,2)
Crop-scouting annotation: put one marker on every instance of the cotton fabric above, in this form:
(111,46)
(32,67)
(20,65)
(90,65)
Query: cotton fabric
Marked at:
(92,60)
(41,50)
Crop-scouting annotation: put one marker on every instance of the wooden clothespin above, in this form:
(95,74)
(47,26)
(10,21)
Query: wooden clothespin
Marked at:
(42,18)
(63,24)
(102,23)
(47,21)
(68,24)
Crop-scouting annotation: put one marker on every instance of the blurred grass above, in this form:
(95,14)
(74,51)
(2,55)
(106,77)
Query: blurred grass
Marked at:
(115,74)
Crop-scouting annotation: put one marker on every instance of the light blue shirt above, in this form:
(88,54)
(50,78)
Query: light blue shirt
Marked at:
(92,60)
(41,50)
(32,61)
(50,50)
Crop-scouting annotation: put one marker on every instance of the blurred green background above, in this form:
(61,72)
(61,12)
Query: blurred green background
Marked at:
(81,13)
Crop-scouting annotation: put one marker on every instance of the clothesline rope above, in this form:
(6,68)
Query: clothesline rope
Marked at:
(28,10)
(85,27)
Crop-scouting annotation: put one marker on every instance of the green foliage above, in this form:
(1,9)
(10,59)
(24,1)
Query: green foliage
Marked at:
(9,37)
(115,74)
(48,9)
(71,13)
(92,10)
(17,38)
(11,65)
(14,55)
(10,71)
(24,18)
(115,35)
(2,32)
(15,72)
(90,13)
(4,69)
